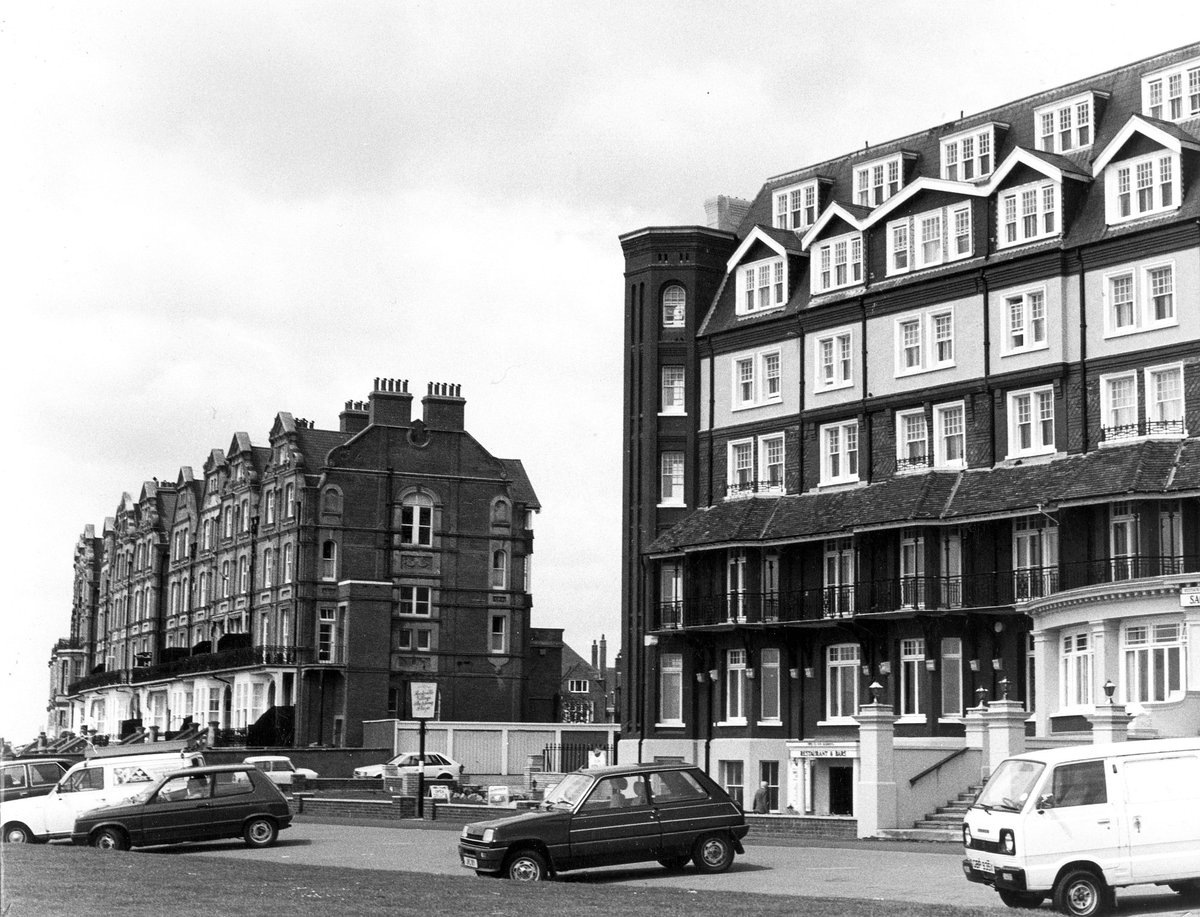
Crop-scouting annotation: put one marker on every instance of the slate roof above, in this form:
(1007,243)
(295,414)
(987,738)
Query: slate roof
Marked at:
(522,489)
(1123,86)
(316,445)
(1140,469)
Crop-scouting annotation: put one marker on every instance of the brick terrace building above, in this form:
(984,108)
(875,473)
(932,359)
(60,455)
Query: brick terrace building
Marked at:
(925,418)
(296,588)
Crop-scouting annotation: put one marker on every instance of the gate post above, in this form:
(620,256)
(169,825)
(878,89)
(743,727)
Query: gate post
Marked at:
(875,805)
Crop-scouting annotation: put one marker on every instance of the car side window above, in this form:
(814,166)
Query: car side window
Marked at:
(42,773)
(233,784)
(672,786)
(1079,784)
(14,777)
(90,778)
(617,793)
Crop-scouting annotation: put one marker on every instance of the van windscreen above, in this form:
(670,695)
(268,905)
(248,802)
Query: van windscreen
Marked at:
(1009,787)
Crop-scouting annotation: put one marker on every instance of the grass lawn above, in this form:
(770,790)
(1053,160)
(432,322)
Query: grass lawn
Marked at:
(66,881)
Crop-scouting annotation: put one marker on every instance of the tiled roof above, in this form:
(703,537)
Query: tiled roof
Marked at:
(1140,469)
(522,489)
(317,444)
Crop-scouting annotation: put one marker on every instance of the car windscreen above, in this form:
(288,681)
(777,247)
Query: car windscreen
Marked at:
(567,792)
(1009,787)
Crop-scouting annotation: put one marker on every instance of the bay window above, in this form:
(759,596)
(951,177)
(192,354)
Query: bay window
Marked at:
(1153,663)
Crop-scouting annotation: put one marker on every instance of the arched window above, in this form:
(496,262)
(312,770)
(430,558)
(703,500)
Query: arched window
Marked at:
(137,558)
(268,568)
(186,594)
(225,584)
(499,570)
(243,574)
(329,560)
(416,520)
(288,568)
(245,515)
(174,597)
(674,302)
(229,522)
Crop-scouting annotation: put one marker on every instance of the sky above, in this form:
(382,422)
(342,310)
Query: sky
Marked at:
(218,211)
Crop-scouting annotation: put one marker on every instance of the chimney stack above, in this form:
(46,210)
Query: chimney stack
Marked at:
(390,404)
(444,408)
(603,667)
(725,212)
(354,418)
(595,656)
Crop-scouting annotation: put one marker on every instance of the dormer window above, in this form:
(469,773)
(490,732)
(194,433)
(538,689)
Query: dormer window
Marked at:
(930,238)
(876,181)
(1027,213)
(1172,94)
(796,206)
(968,157)
(761,285)
(1135,188)
(1066,125)
(839,263)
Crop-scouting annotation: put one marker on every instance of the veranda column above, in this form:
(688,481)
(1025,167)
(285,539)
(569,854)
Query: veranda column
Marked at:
(1006,730)
(875,805)
(1110,723)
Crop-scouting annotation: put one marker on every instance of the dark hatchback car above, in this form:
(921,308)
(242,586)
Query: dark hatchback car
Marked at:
(197,804)
(32,776)
(636,813)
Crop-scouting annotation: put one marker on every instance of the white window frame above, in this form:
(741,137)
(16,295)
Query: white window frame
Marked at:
(833,360)
(577,686)
(969,151)
(1027,407)
(1076,667)
(952,677)
(1188,75)
(671,468)
(1142,304)
(735,688)
(846,469)
(761,285)
(672,382)
(914,254)
(498,633)
(769,707)
(841,676)
(674,308)
(797,206)
(740,467)
(922,350)
(912,668)
(1023,323)
(828,255)
(905,460)
(1012,210)
(1125,430)
(878,180)
(670,689)
(751,378)
(1151,385)
(940,458)
(1124,201)
(416,520)
(1074,116)
(1147,648)
(415,601)
(766,444)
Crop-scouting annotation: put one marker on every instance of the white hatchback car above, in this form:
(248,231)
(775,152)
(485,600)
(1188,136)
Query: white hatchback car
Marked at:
(437,767)
(279,769)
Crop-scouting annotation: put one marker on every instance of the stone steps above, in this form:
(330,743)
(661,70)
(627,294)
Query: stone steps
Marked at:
(943,825)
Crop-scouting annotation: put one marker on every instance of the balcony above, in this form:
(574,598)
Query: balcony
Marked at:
(238,658)
(926,593)
(750,488)
(1142,428)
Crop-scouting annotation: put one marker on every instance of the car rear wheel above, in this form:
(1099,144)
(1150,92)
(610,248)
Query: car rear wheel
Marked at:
(260,832)
(526,866)
(109,839)
(444,777)
(1020,899)
(713,853)
(674,864)
(17,833)
(1082,893)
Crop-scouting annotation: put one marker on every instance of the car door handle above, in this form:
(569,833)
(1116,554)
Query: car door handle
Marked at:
(1103,821)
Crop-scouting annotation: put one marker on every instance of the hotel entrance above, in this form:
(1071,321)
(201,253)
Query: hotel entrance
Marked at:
(822,775)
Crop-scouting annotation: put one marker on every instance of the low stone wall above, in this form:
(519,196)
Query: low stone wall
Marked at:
(394,807)
(355,787)
(801,826)
(460,814)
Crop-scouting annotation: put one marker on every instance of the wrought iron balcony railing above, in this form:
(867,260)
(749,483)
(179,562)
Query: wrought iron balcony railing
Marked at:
(237,658)
(1143,428)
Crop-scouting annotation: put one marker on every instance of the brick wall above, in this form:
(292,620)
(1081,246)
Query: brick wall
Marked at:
(793,826)
(396,807)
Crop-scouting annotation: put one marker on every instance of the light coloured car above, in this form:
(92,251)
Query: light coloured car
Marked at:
(437,767)
(279,769)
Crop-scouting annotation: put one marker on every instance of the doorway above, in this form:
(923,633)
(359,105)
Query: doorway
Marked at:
(841,790)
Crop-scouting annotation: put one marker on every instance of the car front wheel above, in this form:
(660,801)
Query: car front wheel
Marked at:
(1082,893)
(17,833)
(260,832)
(526,866)
(109,839)
(713,853)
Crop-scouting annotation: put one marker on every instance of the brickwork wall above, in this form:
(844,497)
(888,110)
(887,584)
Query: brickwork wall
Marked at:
(798,826)
(395,808)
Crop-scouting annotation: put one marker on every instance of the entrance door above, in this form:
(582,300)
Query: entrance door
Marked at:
(841,790)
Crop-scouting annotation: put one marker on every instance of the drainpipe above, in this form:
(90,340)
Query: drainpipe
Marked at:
(1083,354)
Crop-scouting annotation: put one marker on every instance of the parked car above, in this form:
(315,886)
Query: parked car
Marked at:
(196,804)
(608,815)
(32,776)
(437,767)
(105,779)
(280,769)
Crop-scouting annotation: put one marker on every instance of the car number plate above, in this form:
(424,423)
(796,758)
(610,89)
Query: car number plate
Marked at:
(470,862)
(983,866)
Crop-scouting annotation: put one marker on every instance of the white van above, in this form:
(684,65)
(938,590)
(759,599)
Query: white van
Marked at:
(1076,823)
(106,779)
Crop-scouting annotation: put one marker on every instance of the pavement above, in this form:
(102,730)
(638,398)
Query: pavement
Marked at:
(928,873)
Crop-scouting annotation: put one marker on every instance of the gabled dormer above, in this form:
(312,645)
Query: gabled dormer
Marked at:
(878,179)
(970,155)
(1141,168)
(1172,93)
(797,205)
(835,247)
(762,267)
(241,459)
(1028,187)
(1070,124)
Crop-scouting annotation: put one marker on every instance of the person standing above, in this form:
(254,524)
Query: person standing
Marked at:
(762,798)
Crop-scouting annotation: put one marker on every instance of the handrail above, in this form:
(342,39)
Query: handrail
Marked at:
(912,781)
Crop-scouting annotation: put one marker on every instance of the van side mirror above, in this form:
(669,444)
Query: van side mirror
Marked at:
(1046,801)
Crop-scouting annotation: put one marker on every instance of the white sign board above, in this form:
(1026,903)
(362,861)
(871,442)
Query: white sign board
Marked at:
(1189,597)
(424,699)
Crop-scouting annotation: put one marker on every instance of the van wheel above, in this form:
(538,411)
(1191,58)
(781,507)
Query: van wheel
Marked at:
(109,839)
(714,853)
(17,833)
(260,832)
(1020,899)
(526,866)
(1082,893)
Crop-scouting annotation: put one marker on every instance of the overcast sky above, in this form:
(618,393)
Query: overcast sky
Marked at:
(217,211)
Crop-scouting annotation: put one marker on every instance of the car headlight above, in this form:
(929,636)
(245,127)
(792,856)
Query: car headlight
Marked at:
(489,834)
(966,835)
(463,832)
(1008,842)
